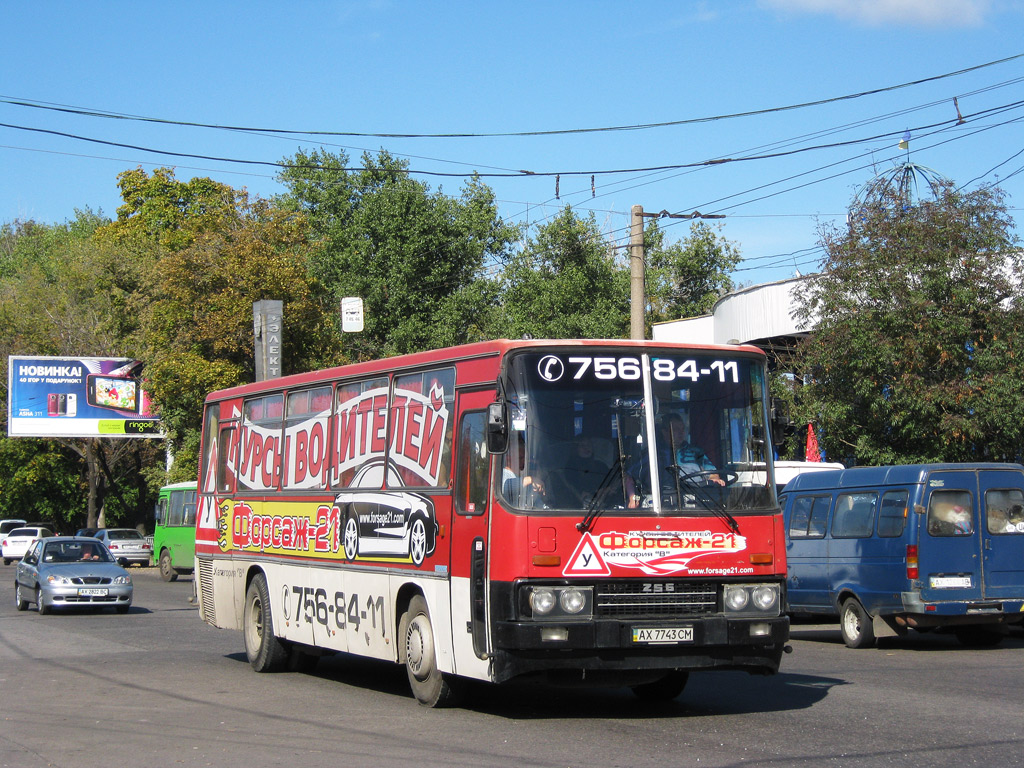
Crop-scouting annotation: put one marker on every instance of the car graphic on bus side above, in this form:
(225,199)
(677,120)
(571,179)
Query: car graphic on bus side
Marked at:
(385,523)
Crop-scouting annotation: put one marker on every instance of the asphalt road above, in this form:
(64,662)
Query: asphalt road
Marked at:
(157,687)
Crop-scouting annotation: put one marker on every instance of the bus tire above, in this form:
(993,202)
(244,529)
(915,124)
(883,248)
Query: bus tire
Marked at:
(430,686)
(855,625)
(167,572)
(264,651)
(663,689)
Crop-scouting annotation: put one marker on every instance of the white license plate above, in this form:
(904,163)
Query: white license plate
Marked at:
(662,634)
(93,592)
(950,582)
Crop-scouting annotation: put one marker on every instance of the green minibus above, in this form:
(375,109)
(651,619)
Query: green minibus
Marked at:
(174,538)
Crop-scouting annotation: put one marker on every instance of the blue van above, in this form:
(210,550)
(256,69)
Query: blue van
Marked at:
(924,546)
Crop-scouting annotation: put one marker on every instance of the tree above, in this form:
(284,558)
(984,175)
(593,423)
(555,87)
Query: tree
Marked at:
(565,283)
(686,278)
(54,301)
(917,353)
(206,253)
(414,256)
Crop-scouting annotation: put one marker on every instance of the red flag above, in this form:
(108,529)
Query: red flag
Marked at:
(812,453)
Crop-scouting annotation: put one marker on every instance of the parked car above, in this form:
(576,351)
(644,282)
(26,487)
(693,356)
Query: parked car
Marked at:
(16,543)
(86,532)
(68,571)
(9,524)
(126,545)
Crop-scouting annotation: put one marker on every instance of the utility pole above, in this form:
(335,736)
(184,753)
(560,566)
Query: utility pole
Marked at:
(637,265)
(637,300)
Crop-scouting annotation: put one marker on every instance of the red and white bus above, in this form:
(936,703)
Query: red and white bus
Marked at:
(498,510)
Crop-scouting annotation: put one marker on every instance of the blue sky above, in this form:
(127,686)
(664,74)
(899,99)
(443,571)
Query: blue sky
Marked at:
(385,66)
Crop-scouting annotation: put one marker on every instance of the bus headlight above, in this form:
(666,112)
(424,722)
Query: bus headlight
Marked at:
(736,598)
(751,599)
(542,601)
(556,602)
(572,600)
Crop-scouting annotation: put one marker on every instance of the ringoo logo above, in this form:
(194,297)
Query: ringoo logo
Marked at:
(551,368)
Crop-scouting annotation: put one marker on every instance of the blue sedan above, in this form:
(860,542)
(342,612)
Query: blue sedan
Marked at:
(67,571)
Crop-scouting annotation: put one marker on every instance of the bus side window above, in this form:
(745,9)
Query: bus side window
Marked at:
(189,509)
(800,518)
(819,517)
(471,467)
(892,515)
(175,514)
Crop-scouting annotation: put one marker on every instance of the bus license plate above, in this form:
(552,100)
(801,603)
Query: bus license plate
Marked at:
(95,592)
(662,634)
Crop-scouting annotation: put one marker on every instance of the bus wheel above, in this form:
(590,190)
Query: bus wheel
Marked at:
(167,572)
(430,686)
(264,651)
(855,625)
(663,689)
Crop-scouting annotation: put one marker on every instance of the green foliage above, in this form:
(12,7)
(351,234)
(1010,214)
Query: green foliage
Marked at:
(565,283)
(686,278)
(40,480)
(414,256)
(918,351)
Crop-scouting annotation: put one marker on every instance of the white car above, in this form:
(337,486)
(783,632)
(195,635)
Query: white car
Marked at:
(16,543)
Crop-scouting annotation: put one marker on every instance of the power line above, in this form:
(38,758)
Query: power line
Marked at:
(391,135)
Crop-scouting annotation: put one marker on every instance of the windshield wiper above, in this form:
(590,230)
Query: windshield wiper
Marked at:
(594,509)
(700,493)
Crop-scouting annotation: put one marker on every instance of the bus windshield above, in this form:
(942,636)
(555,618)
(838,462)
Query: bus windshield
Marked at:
(673,432)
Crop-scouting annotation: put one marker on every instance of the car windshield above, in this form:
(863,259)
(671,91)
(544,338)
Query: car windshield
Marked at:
(126,534)
(75,552)
(668,430)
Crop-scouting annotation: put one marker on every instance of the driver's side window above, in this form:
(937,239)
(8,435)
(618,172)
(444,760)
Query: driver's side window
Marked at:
(33,554)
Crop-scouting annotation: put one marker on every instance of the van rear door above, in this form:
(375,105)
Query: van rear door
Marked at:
(949,543)
(1002,533)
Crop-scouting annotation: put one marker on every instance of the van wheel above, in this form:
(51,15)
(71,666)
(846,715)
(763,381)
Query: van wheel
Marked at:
(855,625)
(978,636)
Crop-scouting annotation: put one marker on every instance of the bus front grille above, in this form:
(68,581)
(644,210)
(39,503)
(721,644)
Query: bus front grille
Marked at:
(636,600)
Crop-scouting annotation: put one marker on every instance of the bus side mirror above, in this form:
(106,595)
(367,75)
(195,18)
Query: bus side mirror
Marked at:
(497,428)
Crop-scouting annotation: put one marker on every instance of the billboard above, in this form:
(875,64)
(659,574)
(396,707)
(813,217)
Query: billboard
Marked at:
(77,397)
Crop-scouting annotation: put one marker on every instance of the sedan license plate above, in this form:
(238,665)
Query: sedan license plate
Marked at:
(92,592)
(662,634)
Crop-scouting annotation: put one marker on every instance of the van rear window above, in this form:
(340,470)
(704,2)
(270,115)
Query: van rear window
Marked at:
(1005,510)
(950,514)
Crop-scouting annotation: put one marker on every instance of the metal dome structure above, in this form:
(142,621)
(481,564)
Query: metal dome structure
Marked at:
(905,184)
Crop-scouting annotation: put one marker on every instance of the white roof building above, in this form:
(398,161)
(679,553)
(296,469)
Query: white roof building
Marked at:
(761,315)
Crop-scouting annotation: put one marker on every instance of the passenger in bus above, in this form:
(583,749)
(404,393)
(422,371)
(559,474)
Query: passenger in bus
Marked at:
(676,454)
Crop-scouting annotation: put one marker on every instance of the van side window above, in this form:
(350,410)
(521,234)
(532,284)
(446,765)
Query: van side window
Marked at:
(892,515)
(1004,510)
(854,516)
(809,517)
(949,513)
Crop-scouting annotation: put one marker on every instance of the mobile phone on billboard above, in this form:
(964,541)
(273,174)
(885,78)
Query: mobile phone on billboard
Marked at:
(51,404)
(72,409)
(62,404)
(112,392)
